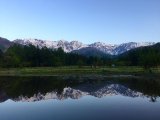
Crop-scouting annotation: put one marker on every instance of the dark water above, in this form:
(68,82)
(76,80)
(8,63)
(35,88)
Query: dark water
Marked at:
(79,98)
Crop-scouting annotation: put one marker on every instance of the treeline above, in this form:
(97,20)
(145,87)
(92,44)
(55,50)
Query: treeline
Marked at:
(144,56)
(31,56)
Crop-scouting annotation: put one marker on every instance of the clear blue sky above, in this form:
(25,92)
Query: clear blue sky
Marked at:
(110,21)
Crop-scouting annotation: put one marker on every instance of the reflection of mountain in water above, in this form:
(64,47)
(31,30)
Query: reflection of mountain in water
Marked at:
(108,90)
(60,88)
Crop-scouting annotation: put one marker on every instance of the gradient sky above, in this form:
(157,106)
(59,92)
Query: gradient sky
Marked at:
(88,21)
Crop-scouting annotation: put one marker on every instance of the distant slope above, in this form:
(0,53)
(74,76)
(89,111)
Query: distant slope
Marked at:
(4,43)
(90,51)
(122,48)
(148,55)
(144,49)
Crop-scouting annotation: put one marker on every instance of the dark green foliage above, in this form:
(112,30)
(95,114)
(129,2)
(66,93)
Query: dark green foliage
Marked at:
(145,56)
(1,53)
(31,56)
(80,63)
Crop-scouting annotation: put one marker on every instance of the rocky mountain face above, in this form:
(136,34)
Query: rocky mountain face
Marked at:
(78,46)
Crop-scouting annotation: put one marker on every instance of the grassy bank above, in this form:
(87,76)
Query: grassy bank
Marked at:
(49,71)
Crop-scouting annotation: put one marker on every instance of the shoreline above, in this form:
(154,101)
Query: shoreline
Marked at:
(84,71)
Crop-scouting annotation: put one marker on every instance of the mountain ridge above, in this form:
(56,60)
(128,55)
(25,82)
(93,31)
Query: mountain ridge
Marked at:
(76,45)
(109,49)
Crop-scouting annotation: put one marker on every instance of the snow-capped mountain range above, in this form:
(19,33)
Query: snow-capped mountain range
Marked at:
(76,45)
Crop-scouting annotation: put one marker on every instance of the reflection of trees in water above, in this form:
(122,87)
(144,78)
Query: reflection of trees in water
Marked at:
(29,86)
(149,87)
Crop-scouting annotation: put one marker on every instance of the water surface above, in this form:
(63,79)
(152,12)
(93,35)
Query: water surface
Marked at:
(78,98)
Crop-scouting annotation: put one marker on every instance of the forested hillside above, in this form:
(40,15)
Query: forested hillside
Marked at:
(144,56)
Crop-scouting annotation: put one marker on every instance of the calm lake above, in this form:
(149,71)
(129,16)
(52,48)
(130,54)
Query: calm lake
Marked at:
(79,98)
